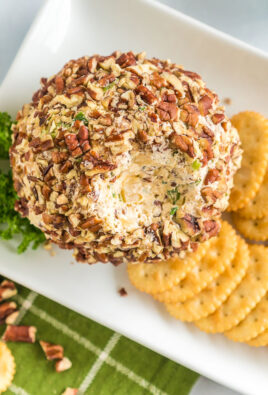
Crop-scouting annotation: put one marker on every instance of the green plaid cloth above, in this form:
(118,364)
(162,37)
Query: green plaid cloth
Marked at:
(104,362)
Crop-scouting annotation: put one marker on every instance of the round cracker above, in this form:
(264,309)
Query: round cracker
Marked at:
(209,300)
(220,253)
(245,297)
(160,276)
(253,229)
(254,323)
(253,131)
(258,207)
(7,367)
(259,341)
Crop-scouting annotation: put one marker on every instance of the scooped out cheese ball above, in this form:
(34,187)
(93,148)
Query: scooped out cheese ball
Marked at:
(124,159)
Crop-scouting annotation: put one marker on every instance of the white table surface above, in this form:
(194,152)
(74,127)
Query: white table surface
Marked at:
(244,19)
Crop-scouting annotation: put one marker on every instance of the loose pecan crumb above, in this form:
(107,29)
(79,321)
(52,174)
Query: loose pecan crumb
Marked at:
(122,292)
(52,351)
(6,310)
(19,333)
(63,364)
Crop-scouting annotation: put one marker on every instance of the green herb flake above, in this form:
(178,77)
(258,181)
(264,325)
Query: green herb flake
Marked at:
(196,164)
(173,210)
(174,153)
(106,88)
(142,108)
(114,195)
(164,182)
(173,195)
(81,117)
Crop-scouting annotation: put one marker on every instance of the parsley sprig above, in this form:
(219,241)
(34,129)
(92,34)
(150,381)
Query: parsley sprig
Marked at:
(174,195)
(11,223)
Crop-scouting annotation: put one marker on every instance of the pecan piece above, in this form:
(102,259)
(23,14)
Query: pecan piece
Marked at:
(171,98)
(126,59)
(6,310)
(166,239)
(122,292)
(95,92)
(35,142)
(85,146)
(59,157)
(85,184)
(107,79)
(204,105)
(190,74)
(90,222)
(7,290)
(52,351)
(45,145)
(21,206)
(63,364)
(210,195)
(207,133)
(146,94)
(143,136)
(19,333)
(115,137)
(70,391)
(217,118)
(157,81)
(192,114)
(59,84)
(71,141)
(167,111)
(92,64)
(184,143)
(207,151)
(211,227)
(76,152)
(106,120)
(212,176)
(189,224)
(101,257)
(66,167)
(83,133)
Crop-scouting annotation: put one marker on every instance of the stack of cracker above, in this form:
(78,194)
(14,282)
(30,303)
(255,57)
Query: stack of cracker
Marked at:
(223,286)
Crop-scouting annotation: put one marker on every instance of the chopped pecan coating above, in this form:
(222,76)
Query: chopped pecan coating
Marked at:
(123,158)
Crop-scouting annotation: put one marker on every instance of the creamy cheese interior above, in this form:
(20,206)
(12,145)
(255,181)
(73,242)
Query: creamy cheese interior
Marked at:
(153,185)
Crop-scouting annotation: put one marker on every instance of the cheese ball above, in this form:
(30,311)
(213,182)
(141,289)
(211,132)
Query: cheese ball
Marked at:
(124,159)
